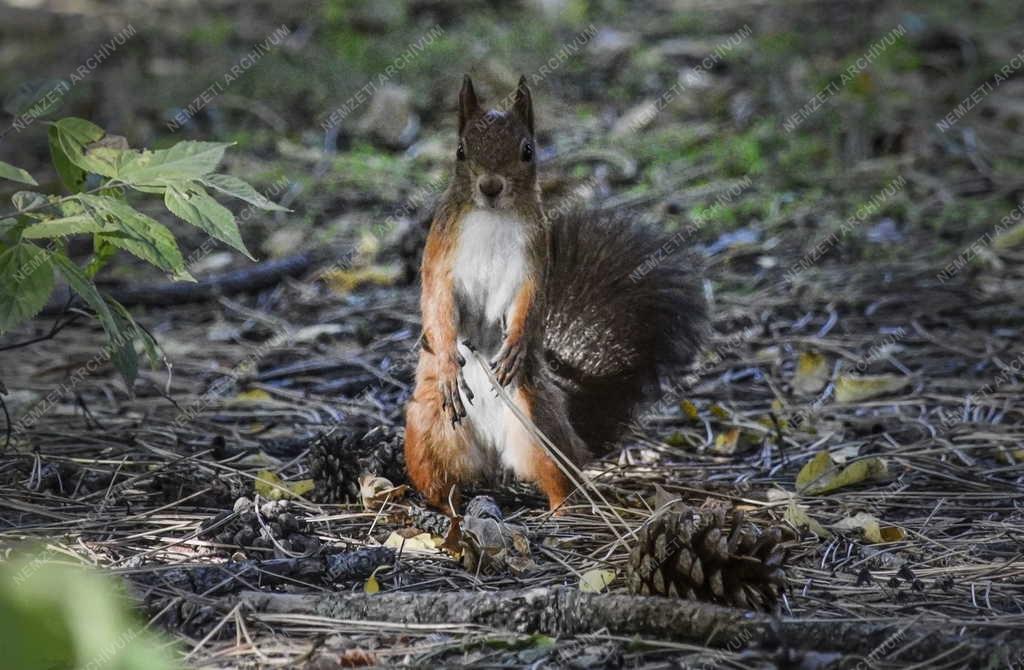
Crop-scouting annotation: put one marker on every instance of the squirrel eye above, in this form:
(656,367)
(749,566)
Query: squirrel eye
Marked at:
(527,152)
(460,153)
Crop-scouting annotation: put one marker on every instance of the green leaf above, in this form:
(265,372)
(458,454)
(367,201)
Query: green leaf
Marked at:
(24,200)
(56,616)
(237,188)
(149,345)
(8,171)
(102,252)
(195,206)
(68,225)
(83,286)
(26,281)
(72,176)
(10,231)
(138,234)
(183,161)
(122,349)
(73,136)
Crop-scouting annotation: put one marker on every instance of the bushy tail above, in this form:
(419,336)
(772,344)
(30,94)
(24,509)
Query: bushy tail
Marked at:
(622,302)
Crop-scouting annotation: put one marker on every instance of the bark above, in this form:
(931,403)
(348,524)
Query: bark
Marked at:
(232,576)
(564,612)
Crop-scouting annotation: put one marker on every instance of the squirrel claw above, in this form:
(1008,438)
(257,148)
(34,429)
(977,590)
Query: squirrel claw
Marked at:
(507,363)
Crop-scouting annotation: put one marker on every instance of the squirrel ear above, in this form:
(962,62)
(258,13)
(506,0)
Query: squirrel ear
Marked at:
(524,104)
(468,104)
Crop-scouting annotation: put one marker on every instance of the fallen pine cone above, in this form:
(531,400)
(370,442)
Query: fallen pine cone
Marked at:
(690,553)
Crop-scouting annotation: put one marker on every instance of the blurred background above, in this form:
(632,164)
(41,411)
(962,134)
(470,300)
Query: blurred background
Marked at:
(352,103)
(850,171)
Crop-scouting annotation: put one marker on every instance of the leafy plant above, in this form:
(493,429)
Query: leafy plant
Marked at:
(57,616)
(99,171)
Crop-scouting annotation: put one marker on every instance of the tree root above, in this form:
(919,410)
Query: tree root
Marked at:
(563,612)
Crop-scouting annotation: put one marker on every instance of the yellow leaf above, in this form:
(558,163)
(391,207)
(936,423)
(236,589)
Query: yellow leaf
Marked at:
(872,528)
(725,443)
(595,581)
(252,395)
(272,487)
(1010,238)
(346,281)
(689,410)
(719,412)
(813,470)
(797,516)
(371,585)
(851,388)
(811,373)
(1010,457)
(676,439)
(301,487)
(822,475)
(421,542)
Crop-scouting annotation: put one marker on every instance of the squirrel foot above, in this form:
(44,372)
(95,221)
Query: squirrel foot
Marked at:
(452,386)
(509,361)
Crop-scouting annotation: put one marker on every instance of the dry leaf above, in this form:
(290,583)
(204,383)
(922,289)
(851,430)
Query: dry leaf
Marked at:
(272,487)
(372,585)
(346,281)
(252,395)
(719,412)
(797,516)
(421,542)
(374,491)
(874,531)
(850,388)
(725,443)
(689,410)
(811,373)
(822,475)
(595,581)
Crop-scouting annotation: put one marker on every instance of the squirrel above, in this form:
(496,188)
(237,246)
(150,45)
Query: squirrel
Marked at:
(573,333)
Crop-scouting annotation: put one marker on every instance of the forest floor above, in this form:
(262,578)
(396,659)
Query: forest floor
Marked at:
(863,271)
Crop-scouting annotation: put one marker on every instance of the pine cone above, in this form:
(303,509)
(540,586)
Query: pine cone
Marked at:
(338,459)
(690,553)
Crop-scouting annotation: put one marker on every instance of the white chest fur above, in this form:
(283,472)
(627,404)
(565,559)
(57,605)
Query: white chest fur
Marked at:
(490,265)
(490,261)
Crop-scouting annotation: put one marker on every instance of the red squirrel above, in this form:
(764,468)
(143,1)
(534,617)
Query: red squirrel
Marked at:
(572,332)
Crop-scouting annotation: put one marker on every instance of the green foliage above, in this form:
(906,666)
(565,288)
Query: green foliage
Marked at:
(32,237)
(53,616)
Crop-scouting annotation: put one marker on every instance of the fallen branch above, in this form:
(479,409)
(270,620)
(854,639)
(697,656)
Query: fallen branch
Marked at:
(232,576)
(255,278)
(561,612)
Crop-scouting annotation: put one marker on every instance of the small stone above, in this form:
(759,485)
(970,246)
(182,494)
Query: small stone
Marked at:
(391,120)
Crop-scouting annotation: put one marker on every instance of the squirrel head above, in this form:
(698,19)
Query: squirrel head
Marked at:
(496,165)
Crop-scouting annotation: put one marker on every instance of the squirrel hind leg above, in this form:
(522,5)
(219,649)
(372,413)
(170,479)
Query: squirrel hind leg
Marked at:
(433,449)
(528,458)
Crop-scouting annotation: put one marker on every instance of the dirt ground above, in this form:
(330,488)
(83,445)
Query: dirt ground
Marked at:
(858,213)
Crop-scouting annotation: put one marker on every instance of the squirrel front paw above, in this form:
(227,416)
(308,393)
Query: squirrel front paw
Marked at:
(451,383)
(509,361)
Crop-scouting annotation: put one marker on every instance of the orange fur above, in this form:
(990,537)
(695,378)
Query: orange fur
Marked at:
(545,473)
(433,446)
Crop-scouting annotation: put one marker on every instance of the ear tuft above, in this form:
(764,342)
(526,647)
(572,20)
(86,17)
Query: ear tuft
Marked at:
(523,106)
(469,106)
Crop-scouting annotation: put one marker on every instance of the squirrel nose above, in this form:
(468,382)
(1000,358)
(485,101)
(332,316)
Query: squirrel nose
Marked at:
(491,185)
